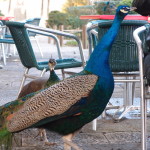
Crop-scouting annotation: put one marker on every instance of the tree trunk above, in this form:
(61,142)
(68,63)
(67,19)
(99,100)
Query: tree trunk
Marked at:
(42,5)
(48,3)
(9,7)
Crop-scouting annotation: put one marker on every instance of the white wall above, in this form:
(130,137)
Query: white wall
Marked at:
(24,9)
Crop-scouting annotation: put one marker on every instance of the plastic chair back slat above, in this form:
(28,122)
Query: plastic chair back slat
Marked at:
(34,21)
(124,54)
(23,44)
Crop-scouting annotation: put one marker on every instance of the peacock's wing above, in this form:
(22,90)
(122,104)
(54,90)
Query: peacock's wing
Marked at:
(53,101)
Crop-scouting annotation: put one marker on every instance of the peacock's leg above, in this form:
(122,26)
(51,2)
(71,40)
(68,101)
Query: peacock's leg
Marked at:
(68,142)
(42,133)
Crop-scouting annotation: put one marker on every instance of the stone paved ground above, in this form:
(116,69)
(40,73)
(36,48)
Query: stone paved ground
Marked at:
(124,135)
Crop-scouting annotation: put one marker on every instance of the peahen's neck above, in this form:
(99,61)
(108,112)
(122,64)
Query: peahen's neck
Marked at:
(99,60)
(52,79)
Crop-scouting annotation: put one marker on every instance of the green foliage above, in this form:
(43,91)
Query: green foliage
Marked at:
(126,2)
(71,43)
(57,18)
(74,14)
(72,3)
(105,7)
(70,20)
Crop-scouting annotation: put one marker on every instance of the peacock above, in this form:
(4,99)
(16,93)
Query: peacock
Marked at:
(41,83)
(66,106)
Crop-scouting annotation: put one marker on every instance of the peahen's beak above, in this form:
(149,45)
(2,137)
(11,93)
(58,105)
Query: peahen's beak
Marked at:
(132,8)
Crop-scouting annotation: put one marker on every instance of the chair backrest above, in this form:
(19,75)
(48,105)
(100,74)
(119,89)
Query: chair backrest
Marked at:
(23,44)
(33,21)
(124,53)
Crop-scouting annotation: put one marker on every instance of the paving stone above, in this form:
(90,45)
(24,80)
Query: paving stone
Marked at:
(127,137)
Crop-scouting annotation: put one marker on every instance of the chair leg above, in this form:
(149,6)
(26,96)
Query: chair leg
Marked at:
(8,52)
(94,124)
(23,80)
(15,50)
(3,52)
(63,73)
(144,126)
(39,47)
(43,72)
(133,92)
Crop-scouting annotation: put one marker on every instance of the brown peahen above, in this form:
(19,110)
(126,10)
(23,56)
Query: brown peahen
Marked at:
(41,83)
(65,107)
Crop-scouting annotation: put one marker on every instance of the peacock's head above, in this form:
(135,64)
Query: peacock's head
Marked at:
(52,63)
(123,10)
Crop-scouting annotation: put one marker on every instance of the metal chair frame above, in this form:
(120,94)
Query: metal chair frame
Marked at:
(3,41)
(144,93)
(43,66)
(34,21)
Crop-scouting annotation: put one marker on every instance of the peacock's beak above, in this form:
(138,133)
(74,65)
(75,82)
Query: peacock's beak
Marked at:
(132,8)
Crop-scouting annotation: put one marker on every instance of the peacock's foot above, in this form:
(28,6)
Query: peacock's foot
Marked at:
(43,137)
(68,142)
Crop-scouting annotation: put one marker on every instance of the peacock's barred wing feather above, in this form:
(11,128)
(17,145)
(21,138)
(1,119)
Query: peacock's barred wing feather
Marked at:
(54,101)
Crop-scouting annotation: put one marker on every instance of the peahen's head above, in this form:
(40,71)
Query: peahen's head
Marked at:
(52,63)
(123,10)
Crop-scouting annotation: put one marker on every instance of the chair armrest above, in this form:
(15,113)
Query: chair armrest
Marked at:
(2,31)
(140,49)
(136,34)
(57,32)
(50,35)
(91,30)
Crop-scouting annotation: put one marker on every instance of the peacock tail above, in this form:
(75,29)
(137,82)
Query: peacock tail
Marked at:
(6,111)
(5,139)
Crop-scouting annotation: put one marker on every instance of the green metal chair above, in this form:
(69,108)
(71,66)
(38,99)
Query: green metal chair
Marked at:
(19,32)
(123,60)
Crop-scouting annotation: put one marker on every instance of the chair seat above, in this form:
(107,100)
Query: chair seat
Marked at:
(61,64)
(6,41)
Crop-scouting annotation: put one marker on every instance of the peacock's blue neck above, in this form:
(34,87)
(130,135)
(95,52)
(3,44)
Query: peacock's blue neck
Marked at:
(99,60)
